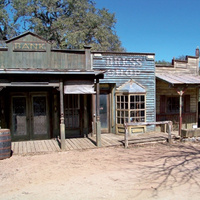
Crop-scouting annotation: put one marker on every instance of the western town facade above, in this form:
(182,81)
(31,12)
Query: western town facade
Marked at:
(48,93)
(45,93)
(177,93)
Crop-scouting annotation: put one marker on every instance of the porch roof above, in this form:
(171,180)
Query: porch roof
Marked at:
(179,79)
(53,72)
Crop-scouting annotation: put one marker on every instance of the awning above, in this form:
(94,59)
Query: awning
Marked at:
(79,87)
(179,79)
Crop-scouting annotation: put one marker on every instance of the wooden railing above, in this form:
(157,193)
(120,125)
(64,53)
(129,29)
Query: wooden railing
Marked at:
(126,125)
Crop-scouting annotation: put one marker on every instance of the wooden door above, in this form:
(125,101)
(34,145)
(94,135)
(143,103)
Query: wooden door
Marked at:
(29,116)
(104,112)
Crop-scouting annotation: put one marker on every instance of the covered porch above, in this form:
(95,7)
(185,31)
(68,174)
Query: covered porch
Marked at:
(107,140)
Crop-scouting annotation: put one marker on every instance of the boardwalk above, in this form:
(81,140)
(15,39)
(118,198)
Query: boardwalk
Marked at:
(107,140)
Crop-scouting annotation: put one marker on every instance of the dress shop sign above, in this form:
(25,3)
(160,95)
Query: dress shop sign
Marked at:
(129,66)
(29,46)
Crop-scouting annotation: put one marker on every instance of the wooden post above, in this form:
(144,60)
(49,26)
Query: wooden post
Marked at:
(62,124)
(180,92)
(126,136)
(98,123)
(169,134)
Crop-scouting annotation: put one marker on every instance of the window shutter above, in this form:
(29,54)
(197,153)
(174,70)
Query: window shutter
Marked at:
(162,104)
(187,103)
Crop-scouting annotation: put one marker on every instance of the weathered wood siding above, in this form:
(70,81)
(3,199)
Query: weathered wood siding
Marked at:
(190,66)
(162,88)
(45,58)
(121,67)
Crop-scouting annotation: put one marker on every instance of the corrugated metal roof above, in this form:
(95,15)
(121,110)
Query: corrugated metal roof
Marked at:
(179,78)
(131,87)
(47,71)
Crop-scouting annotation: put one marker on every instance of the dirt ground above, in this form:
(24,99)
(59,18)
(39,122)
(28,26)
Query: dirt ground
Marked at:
(146,172)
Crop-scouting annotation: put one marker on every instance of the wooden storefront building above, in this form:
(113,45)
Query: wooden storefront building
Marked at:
(127,92)
(177,92)
(48,93)
(45,92)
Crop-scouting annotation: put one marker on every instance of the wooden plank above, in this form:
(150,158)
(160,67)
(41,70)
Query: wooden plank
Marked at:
(45,148)
(91,145)
(24,147)
(20,147)
(16,148)
(85,143)
(29,147)
(32,146)
(105,142)
(48,145)
(112,141)
(72,143)
(51,145)
(78,143)
(37,146)
(55,143)
(68,145)
(12,146)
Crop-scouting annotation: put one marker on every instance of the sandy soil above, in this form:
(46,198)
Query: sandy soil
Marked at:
(147,172)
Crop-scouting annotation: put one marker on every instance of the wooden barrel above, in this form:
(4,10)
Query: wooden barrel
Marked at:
(5,144)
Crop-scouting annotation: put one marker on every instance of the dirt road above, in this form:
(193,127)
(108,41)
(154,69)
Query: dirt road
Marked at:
(147,172)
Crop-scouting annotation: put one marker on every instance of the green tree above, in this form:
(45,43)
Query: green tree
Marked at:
(69,23)
(7,26)
(163,62)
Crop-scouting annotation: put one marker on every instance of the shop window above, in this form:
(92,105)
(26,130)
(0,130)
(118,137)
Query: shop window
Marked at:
(130,108)
(170,104)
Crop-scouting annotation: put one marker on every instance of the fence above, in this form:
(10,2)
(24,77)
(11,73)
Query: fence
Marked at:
(126,125)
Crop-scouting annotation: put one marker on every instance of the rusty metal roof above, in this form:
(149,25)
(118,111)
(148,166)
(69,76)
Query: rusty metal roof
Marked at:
(188,79)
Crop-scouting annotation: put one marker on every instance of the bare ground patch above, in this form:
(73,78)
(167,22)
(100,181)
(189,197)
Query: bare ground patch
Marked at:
(146,172)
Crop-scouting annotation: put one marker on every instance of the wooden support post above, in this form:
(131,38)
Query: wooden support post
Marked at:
(180,113)
(169,134)
(180,92)
(85,116)
(126,136)
(98,123)
(62,124)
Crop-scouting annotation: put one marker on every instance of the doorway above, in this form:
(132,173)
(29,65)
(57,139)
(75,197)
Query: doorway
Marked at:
(104,112)
(29,116)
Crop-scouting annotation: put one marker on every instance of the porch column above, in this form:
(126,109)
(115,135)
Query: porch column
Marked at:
(98,123)
(180,92)
(62,124)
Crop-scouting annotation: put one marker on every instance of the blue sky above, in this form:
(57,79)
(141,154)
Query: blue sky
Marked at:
(168,28)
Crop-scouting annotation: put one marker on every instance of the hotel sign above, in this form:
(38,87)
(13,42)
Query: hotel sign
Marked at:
(28,46)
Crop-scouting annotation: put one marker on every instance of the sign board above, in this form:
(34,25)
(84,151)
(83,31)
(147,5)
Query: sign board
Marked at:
(29,46)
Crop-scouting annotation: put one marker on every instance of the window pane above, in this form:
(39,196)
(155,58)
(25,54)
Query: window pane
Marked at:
(118,120)
(118,113)
(122,98)
(118,98)
(131,98)
(126,98)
